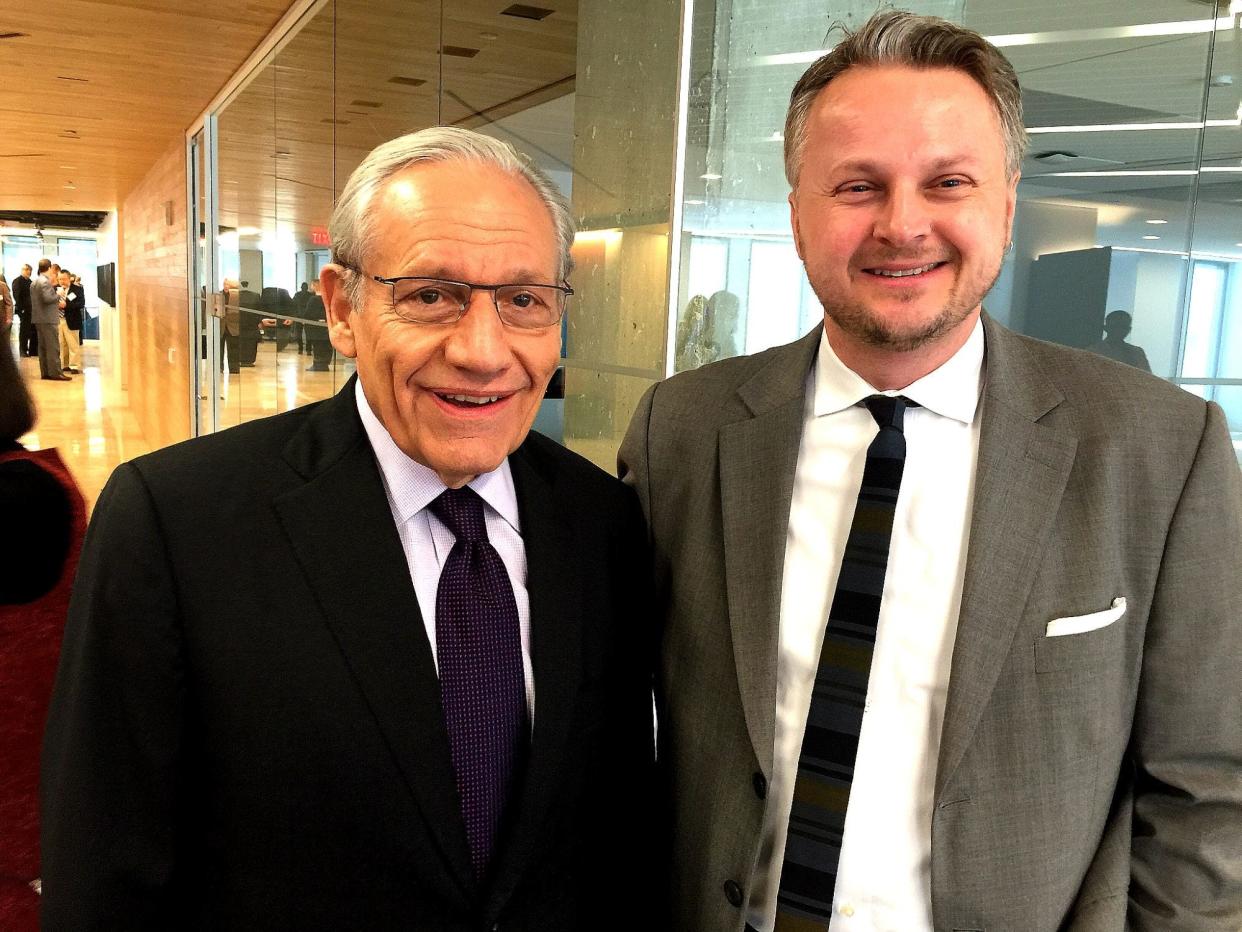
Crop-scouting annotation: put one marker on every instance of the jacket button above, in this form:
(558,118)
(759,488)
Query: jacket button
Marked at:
(761,785)
(733,892)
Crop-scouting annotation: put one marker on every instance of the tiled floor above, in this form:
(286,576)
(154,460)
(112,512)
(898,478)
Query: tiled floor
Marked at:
(91,425)
(93,437)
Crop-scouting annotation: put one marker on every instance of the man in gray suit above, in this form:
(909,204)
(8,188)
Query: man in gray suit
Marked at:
(951,633)
(45,314)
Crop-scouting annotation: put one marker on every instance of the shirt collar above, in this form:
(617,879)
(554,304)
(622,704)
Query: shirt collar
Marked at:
(411,486)
(952,390)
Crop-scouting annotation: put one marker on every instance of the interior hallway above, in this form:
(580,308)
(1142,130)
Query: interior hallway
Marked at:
(93,429)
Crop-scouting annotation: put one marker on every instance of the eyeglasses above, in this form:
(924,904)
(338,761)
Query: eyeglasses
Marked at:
(443,301)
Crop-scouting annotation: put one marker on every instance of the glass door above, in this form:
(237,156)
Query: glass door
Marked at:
(207,301)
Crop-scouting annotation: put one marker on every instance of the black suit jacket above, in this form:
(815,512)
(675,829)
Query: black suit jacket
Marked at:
(75,307)
(246,731)
(20,286)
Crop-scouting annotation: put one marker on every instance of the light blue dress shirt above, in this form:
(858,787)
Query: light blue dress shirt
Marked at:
(411,487)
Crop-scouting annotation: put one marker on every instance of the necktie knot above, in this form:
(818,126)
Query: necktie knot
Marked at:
(461,511)
(889,411)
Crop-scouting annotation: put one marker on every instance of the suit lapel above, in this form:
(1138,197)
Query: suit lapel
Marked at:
(341,530)
(1022,471)
(554,586)
(758,459)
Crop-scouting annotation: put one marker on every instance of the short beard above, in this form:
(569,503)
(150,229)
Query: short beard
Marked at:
(857,320)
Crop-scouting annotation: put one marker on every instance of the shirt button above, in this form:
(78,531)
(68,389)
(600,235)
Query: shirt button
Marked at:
(761,785)
(733,892)
(847,910)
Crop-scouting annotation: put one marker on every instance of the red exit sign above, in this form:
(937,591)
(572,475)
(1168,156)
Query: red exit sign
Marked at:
(319,236)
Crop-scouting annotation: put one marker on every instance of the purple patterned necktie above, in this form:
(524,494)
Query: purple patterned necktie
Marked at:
(479,653)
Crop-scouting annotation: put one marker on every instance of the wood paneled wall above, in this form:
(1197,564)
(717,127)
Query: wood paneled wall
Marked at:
(154,316)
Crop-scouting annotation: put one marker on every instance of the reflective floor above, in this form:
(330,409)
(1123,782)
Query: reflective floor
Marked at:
(279,380)
(92,434)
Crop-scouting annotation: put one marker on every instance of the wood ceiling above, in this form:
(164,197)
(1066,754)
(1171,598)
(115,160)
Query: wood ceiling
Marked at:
(117,83)
(364,71)
(92,93)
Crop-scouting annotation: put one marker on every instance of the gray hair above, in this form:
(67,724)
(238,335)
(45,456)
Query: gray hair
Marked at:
(350,227)
(896,37)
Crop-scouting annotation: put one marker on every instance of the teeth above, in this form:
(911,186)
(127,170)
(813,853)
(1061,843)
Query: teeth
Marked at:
(903,273)
(472,399)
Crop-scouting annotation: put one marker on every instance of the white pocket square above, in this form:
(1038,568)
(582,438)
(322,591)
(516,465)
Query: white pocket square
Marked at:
(1081,624)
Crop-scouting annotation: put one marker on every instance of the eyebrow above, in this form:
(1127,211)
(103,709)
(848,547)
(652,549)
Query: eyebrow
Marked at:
(867,167)
(519,277)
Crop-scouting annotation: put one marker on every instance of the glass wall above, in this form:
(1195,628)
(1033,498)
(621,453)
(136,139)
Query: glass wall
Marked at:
(1130,200)
(587,88)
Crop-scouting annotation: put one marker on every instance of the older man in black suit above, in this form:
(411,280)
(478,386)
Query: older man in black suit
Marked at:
(379,662)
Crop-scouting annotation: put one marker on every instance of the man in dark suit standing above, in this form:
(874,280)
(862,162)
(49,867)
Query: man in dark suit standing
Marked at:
(73,309)
(26,335)
(379,662)
(317,334)
(952,632)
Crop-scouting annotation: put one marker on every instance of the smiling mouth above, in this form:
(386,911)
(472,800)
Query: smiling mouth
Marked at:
(904,273)
(469,401)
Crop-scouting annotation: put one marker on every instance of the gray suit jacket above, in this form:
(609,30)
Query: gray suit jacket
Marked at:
(1087,782)
(44,305)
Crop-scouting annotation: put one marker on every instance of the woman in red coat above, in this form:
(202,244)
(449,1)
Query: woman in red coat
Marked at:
(45,518)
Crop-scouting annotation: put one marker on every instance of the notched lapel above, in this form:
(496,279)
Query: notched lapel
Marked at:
(1023,469)
(556,614)
(758,460)
(341,530)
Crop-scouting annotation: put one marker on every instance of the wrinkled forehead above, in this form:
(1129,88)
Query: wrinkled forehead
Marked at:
(449,209)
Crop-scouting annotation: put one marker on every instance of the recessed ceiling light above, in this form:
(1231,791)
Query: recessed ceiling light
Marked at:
(1157,222)
(488,36)
(1151,237)
(524,11)
(70,167)
(693,201)
(711,176)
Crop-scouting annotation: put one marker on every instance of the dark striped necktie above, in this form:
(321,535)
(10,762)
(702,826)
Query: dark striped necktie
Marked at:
(482,687)
(830,743)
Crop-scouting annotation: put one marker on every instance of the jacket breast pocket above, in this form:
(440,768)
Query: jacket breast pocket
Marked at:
(1080,651)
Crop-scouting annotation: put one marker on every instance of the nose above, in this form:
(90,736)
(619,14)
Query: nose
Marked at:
(904,218)
(479,342)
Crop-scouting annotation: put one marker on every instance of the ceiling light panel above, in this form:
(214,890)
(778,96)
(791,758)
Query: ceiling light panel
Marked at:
(522,11)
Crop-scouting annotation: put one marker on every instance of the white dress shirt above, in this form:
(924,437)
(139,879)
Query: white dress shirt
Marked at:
(884,875)
(411,487)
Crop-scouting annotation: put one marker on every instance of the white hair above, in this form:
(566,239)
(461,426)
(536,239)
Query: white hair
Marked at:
(351,229)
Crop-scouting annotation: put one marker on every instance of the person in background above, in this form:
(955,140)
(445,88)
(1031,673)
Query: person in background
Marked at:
(44,510)
(27,336)
(230,326)
(1116,328)
(6,313)
(951,626)
(73,306)
(317,334)
(45,315)
(300,297)
(249,325)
